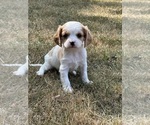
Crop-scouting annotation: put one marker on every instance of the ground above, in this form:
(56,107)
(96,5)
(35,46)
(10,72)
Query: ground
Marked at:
(96,104)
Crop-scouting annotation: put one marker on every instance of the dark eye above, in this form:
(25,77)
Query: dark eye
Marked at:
(79,35)
(65,35)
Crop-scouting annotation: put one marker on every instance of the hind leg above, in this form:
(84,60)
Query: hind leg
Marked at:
(46,66)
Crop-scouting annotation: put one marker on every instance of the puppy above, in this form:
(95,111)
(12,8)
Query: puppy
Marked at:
(69,53)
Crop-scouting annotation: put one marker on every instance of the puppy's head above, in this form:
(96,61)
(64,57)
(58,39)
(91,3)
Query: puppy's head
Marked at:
(73,35)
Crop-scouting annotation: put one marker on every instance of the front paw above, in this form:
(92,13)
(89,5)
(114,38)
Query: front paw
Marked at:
(68,89)
(19,73)
(40,73)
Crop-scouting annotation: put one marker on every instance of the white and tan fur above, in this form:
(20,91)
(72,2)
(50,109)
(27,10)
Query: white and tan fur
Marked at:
(69,53)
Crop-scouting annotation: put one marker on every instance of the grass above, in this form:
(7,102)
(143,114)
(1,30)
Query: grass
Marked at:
(97,104)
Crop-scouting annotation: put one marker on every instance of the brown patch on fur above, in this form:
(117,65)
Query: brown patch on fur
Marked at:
(65,32)
(87,36)
(64,35)
(57,36)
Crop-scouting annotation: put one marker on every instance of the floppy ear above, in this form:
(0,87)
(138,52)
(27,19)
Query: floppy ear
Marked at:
(57,36)
(87,35)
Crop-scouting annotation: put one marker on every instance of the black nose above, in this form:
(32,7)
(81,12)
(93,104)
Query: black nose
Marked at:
(72,43)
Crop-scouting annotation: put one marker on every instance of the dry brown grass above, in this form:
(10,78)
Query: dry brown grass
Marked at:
(98,104)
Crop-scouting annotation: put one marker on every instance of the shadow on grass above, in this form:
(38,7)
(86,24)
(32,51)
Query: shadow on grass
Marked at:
(65,10)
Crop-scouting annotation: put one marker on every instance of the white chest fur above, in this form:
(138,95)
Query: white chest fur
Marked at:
(73,58)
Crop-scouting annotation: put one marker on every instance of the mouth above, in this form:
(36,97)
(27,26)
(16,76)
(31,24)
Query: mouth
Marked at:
(73,47)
